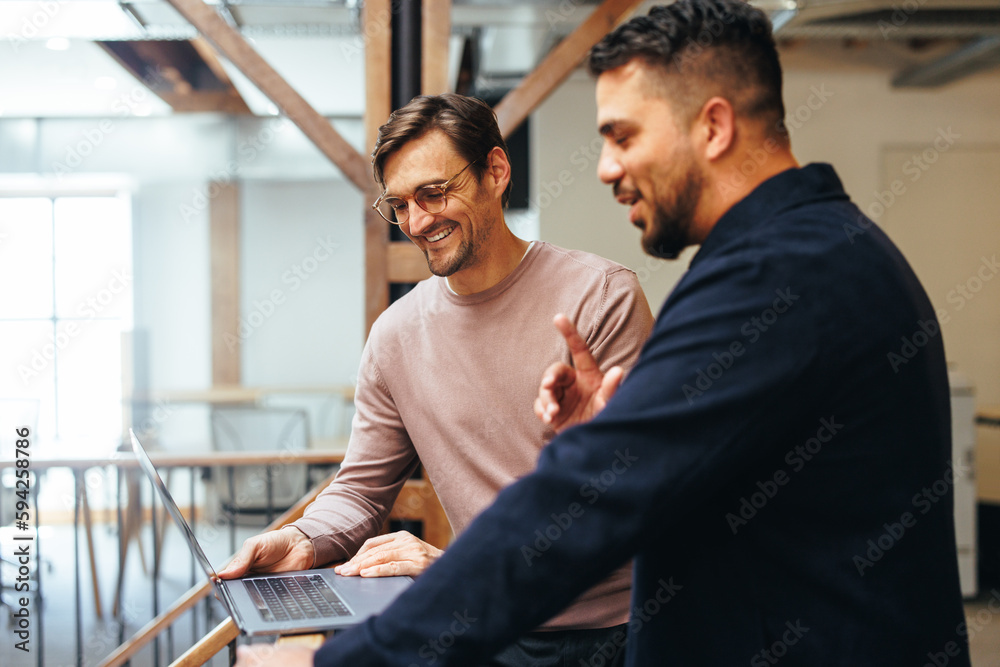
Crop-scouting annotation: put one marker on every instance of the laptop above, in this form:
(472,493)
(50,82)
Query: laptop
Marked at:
(285,602)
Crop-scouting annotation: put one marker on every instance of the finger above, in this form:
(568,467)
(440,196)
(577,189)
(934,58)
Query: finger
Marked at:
(381,555)
(409,562)
(393,568)
(582,358)
(558,375)
(609,385)
(369,555)
(555,380)
(541,411)
(550,395)
(376,541)
(240,563)
(550,405)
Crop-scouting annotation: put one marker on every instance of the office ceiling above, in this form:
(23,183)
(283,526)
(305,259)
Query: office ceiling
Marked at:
(140,57)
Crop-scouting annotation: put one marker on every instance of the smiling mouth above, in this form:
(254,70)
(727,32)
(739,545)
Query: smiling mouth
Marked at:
(631,199)
(445,233)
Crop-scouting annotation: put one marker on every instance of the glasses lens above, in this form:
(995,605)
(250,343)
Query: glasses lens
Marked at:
(430,198)
(394,209)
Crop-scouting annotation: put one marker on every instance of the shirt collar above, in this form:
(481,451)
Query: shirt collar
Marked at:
(789,189)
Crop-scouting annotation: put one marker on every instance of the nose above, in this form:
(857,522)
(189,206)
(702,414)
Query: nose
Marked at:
(609,170)
(419,219)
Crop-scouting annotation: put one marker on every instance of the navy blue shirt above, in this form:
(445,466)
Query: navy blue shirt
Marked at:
(777,463)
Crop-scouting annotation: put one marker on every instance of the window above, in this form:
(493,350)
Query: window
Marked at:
(66,271)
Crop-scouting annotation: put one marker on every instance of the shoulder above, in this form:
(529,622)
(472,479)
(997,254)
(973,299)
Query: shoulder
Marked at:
(401,314)
(578,265)
(579,260)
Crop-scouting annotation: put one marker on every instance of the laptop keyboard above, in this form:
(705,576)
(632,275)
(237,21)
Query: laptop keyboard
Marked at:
(294,598)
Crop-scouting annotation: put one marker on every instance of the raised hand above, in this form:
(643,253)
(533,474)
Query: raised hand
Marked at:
(571,395)
(391,555)
(281,550)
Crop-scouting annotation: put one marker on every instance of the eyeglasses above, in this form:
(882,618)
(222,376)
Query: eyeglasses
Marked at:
(431,198)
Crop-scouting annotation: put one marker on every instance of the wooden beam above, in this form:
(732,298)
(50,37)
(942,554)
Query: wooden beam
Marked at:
(406,263)
(561,61)
(376,265)
(436,21)
(144,635)
(224,244)
(377,29)
(209,645)
(318,129)
(180,73)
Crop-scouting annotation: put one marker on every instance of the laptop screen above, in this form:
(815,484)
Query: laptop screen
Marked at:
(168,502)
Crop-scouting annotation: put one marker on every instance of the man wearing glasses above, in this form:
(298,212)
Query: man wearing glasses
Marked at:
(450,372)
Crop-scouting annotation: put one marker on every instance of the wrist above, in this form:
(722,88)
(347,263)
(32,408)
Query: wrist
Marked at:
(302,541)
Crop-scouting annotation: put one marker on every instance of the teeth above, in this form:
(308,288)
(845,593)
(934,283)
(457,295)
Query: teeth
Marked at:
(438,237)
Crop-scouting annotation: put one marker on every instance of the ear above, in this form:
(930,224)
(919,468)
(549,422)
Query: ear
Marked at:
(497,174)
(715,127)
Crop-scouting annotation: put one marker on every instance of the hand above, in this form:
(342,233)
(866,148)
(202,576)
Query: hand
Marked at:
(391,555)
(569,395)
(269,655)
(280,550)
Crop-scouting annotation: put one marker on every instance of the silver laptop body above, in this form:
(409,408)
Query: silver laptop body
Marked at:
(285,602)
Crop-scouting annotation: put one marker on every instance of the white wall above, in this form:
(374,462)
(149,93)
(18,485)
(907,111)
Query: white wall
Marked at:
(302,272)
(172,313)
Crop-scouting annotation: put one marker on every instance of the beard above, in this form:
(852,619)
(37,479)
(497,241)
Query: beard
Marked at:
(467,254)
(669,232)
(445,266)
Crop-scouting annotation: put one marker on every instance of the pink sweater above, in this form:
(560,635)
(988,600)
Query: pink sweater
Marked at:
(452,379)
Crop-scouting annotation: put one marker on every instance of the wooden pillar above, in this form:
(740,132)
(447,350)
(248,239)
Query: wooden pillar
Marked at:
(377,30)
(224,247)
(435,47)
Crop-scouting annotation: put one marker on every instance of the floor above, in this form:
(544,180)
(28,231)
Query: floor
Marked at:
(56,635)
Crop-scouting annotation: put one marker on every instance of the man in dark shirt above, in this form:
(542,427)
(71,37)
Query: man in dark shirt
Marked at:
(777,462)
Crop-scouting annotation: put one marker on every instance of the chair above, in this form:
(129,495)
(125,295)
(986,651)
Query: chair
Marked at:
(242,490)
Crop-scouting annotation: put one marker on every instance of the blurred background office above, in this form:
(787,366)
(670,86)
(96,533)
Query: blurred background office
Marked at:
(176,252)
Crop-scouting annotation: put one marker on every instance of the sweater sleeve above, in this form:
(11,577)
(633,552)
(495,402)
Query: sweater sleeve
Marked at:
(380,458)
(622,323)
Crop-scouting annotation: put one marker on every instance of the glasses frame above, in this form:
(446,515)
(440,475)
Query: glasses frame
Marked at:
(443,187)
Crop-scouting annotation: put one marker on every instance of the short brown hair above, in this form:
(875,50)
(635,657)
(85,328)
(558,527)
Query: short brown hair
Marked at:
(469,123)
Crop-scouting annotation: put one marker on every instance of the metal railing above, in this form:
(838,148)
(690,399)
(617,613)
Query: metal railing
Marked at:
(129,517)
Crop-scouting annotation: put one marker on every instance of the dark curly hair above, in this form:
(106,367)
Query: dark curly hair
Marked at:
(701,49)
(470,123)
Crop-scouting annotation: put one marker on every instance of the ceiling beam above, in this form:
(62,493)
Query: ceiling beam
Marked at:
(184,74)
(561,61)
(318,129)
(965,60)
